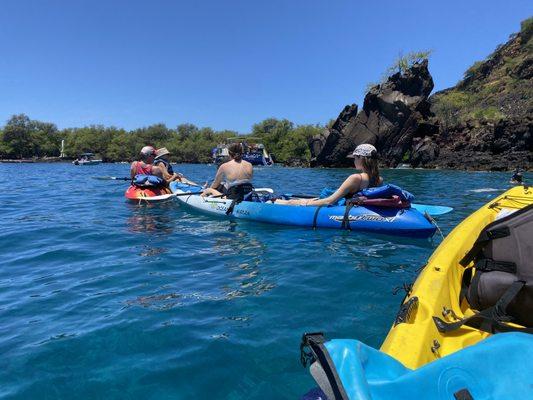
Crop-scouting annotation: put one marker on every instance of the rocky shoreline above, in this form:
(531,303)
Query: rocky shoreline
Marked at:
(483,123)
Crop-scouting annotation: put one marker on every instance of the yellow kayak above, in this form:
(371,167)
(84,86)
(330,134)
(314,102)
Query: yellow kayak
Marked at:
(414,339)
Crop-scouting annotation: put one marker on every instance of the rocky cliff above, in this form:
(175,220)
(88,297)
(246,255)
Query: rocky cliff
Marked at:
(394,113)
(484,122)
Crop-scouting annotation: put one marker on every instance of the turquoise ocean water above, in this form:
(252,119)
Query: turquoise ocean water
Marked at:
(104,299)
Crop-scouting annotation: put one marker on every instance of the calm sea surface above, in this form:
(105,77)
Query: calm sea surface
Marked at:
(104,299)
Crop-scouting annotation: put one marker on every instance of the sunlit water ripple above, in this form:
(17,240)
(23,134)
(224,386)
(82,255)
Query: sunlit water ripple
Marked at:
(104,299)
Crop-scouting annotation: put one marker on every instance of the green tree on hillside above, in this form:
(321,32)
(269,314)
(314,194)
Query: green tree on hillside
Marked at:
(285,141)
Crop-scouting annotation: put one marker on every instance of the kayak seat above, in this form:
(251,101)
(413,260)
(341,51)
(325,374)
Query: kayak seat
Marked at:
(387,196)
(239,192)
(503,256)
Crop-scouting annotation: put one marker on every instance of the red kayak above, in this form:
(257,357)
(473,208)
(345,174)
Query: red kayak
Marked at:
(137,194)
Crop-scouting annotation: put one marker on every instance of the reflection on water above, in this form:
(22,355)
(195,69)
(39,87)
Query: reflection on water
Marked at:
(151,218)
(246,277)
(157,302)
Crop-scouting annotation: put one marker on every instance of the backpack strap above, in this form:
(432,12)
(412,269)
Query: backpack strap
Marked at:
(241,192)
(488,264)
(465,283)
(315,217)
(319,353)
(484,237)
(492,319)
(346,217)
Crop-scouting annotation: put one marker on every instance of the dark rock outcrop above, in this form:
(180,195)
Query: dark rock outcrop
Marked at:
(393,114)
(485,122)
(486,119)
(481,145)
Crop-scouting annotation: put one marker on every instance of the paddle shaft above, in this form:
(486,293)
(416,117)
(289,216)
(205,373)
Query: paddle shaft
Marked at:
(188,194)
(111,178)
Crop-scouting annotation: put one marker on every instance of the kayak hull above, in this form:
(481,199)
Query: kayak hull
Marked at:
(439,285)
(496,368)
(389,221)
(136,194)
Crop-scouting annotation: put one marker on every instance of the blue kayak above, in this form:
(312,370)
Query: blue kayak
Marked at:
(390,221)
(496,368)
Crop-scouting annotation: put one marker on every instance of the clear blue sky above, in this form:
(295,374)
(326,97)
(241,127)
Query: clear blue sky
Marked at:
(227,64)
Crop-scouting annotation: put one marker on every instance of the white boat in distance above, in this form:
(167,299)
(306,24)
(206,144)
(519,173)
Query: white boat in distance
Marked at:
(86,159)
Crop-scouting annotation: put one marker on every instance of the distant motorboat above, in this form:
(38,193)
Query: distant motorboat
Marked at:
(87,159)
(254,153)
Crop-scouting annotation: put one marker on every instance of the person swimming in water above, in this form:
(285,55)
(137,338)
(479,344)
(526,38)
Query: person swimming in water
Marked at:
(162,162)
(145,164)
(517,177)
(365,159)
(234,178)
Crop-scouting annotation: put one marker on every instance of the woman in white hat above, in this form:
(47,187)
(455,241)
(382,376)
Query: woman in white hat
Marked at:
(365,159)
(161,161)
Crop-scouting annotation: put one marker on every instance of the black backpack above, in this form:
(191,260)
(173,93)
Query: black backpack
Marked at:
(501,288)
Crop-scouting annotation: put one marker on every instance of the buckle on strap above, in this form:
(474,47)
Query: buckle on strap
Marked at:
(308,340)
(488,264)
(492,319)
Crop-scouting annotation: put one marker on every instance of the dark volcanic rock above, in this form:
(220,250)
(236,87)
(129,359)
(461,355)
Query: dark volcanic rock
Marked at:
(485,146)
(492,129)
(296,162)
(485,122)
(424,151)
(393,114)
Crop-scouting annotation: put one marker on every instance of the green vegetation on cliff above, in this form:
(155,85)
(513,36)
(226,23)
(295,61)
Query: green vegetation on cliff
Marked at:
(497,88)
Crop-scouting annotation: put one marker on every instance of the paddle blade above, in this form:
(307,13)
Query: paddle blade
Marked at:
(265,190)
(432,210)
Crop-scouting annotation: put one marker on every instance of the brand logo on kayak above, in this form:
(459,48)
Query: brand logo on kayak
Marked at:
(373,218)
(221,207)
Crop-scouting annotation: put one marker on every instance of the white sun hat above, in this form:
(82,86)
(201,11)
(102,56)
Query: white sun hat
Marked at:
(364,150)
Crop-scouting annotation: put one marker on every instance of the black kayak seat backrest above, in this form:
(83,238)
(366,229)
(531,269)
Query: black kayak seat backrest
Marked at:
(502,255)
(239,192)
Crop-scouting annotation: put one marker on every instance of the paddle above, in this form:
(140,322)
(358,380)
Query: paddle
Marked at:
(184,194)
(110,178)
(114,178)
(431,209)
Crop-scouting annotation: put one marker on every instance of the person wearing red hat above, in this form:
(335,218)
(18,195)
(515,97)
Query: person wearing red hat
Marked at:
(365,159)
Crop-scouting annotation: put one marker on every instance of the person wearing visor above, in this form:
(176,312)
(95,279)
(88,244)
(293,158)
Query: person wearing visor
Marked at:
(365,159)
(161,161)
(145,164)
